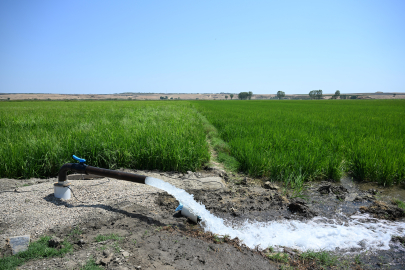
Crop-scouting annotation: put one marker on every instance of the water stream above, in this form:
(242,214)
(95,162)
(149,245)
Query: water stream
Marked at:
(359,232)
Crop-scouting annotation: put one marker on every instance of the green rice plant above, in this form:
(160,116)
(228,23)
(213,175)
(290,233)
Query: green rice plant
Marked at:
(37,138)
(313,140)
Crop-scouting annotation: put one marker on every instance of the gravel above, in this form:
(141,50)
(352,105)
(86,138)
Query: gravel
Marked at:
(33,209)
(28,207)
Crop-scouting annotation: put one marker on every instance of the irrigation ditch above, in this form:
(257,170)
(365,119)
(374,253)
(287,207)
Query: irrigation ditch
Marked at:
(136,236)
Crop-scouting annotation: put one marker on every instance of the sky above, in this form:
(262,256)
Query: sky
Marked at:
(106,47)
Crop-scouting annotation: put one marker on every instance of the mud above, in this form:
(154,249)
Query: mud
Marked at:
(163,239)
(383,210)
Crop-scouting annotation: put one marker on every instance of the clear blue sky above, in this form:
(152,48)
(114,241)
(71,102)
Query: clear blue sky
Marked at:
(94,46)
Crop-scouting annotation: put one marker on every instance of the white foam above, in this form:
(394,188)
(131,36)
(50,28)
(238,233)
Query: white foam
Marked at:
(360,231)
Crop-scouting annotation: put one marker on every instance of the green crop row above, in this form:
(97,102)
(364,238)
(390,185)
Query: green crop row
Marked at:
(36,137)
(293,141)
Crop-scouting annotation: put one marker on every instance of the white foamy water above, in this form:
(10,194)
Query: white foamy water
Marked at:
(360,231)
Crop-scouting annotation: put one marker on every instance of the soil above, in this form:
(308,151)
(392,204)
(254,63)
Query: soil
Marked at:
(164,239)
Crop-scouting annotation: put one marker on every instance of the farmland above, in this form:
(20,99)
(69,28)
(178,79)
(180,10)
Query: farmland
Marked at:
(291,141)
(38,137)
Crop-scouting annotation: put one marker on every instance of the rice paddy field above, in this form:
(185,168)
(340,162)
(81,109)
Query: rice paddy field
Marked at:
(290,141)
(38,137)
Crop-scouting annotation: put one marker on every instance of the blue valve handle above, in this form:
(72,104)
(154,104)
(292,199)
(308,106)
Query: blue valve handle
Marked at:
(180,207)
(81,160)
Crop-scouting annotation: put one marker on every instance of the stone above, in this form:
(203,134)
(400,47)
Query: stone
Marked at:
(372,191)
(271,186)
(351,197)
(340,197)
(106,253)
(339,190)
(105,261)
(298,205)
(125,254)
(70,265)
(55,242)
(383,210)
(81,242)
(289,251)
(325,188)
(368,197)
(19,243)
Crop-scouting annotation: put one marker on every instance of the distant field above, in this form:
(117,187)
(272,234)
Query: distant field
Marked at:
(37,137)
(296,140)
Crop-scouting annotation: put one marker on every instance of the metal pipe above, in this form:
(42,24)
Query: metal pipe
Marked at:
(85,169)
(73,167)
(116,174)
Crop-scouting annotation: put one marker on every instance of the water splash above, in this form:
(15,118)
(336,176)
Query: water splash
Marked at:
(360,231)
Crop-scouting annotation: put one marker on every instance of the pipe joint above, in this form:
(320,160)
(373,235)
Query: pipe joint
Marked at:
(73,167)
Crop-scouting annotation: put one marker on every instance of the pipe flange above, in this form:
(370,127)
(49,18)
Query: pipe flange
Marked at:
(62,184)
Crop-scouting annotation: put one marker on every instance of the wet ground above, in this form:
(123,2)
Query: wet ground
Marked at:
(163,239)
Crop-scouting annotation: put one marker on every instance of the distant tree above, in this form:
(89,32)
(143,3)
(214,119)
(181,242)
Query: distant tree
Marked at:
(171,98)
(315,94)
(319,94)
(280,94)
(226,97)
(250,94)
(312,94)
(343,96)
(394,95)
(243,95)
(336,95)
(353,97)
(231,95)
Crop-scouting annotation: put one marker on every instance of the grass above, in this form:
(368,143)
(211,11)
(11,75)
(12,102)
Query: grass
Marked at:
(36,250)
(91,265)
(116,247)
(112,236)
(217,239)
(38,137)
(278,257)
(76,231)
(221,148)
(324,258)
(101,238)
(400,204)
(298,141)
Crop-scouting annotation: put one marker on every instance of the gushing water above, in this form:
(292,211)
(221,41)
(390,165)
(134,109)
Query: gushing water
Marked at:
(360,231)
